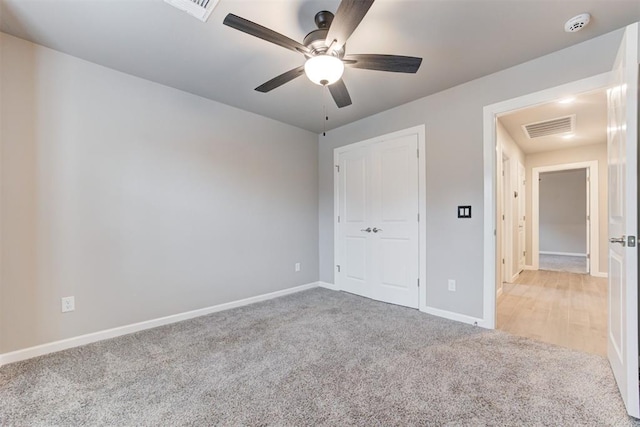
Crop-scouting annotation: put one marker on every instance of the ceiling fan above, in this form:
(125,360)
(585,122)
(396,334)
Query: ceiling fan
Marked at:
(324,50)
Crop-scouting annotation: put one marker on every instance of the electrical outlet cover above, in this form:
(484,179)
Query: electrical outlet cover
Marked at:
(68,304)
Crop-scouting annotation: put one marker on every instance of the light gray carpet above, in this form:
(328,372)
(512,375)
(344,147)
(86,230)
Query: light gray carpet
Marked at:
(313,358)
(570,264)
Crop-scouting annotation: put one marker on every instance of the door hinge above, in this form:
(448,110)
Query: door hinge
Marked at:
(418,153)
(503,217)
(338,267)
(503,172)
(524,253)
(588,256)
(503,260)
(588,217)
(631,241)
(418,217)
(338,168)
(418,282)
(338,218)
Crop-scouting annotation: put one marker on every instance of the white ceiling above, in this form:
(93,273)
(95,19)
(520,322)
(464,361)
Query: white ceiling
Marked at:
(460,40)
(590,110)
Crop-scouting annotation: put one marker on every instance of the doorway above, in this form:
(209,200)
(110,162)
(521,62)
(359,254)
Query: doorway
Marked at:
(568,210)
(550,142)
(622,214)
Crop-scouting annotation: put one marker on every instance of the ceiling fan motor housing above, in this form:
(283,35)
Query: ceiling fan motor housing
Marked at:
(323,19)
(315,40)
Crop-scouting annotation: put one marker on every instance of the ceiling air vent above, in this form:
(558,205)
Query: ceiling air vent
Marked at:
(550,127)
(201,9)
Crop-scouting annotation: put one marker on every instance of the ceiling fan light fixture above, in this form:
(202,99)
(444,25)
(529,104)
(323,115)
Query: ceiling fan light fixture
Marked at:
(324,70)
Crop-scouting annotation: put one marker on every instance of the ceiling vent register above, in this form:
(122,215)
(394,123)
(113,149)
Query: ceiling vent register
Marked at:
(557,126)
(201,9)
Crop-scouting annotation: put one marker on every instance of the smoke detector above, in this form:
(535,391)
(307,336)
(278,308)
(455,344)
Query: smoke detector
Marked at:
(577,23)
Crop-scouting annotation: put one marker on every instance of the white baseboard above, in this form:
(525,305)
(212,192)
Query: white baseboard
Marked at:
(599,274)
(328,285)
(456,316)
(514,277)
(499,292)
(561,253)
(52,347)
(530,267)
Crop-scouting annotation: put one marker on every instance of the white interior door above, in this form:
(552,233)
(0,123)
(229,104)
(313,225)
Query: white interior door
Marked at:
(395,221)
(507,223)
(353,220)
(588,242)
(622,100)
(378,239)
(521,217)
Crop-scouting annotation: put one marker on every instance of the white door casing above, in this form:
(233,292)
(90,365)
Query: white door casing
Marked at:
(622,141)
(378,203)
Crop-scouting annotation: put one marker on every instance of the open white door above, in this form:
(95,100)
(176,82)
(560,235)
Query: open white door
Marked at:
(622,100)
(521,217)
(588,234)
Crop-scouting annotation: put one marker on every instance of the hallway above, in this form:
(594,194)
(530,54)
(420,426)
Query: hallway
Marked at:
(565,309)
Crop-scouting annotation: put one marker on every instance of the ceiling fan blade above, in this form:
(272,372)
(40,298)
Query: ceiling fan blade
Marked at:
(340,93)
(264,33)
(393,63)
(281,79)
(347,18)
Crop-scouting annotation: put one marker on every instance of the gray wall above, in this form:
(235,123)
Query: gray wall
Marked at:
(596,152)
(454,137)
(563,211)
(140,200)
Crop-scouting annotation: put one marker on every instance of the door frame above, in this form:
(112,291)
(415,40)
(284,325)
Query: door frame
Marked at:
(422,202)
(592,224)
(490,115)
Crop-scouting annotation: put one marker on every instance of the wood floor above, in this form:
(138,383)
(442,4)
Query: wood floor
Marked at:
(560,308)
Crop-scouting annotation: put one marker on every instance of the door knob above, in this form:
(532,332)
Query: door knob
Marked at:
(620,240)
(375,230)
(368,229)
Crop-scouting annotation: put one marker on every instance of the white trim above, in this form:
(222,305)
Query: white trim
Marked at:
(600,274)
(515,277)
(529,267)
(52,347)
(594,243)
(457,317)
(499,292)
(490,113)
(328,285)
(561,253)
(422,203)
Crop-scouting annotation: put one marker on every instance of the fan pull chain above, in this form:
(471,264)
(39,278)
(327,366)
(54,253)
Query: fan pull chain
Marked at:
(324,110)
